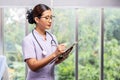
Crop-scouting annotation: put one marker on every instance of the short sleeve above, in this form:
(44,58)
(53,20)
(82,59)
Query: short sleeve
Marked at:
(28,49)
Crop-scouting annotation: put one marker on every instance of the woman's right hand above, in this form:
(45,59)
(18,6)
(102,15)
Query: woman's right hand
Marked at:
(60,49)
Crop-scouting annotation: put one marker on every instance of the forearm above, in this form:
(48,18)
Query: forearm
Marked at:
(35,65)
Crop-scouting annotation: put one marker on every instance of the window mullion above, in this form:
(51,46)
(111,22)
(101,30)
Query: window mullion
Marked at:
(102,46)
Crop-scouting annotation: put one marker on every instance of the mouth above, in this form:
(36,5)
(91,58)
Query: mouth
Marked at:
(49,25)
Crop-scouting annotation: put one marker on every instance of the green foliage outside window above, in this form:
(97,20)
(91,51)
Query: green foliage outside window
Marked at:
(64,29)
(14,30)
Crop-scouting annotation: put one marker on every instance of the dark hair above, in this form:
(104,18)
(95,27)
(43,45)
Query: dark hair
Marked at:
(36,12)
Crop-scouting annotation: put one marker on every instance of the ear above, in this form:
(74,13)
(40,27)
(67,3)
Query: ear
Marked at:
(36,19)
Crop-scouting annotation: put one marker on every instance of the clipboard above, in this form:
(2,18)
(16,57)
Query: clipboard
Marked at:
(67,52)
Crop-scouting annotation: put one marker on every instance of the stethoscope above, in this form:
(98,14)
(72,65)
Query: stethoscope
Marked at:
(53,42)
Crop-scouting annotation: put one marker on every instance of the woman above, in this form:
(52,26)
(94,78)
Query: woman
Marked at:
(40,47)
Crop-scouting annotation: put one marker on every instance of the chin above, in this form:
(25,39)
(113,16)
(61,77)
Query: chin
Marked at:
(48,27)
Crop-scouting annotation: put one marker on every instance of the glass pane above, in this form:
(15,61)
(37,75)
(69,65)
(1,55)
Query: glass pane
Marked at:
(64,29)
(112,44)
(89,32)
(14,31)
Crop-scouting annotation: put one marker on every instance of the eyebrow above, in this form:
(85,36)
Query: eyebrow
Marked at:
(46,15)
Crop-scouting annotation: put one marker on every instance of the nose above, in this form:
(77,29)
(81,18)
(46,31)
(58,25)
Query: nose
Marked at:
(50,20)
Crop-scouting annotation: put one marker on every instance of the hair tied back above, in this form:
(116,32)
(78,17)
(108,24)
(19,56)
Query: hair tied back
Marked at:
(30,16)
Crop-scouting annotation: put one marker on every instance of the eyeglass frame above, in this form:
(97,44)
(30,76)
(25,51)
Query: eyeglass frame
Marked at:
(48,17)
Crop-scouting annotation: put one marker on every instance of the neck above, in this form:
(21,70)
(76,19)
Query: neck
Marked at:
(40,31)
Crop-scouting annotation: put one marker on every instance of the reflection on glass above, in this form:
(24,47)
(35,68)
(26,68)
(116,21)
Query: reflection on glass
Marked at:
(14,31)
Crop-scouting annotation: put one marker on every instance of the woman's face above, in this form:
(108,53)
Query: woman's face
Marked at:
(45,20)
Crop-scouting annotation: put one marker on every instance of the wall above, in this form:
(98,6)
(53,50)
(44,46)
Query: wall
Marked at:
(62,3)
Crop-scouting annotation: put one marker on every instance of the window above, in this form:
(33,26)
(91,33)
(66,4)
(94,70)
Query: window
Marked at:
(112,44)
(89,47)
(87,22)
(14,31)
(64,29)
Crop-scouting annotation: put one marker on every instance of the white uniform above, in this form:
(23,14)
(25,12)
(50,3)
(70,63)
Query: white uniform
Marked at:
(31,49)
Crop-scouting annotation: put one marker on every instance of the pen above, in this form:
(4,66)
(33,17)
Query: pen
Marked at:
(66,52)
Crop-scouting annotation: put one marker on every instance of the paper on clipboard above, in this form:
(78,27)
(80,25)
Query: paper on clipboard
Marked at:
(67,51)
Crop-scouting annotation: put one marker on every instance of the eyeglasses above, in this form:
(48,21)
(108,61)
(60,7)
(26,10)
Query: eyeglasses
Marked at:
(48,17)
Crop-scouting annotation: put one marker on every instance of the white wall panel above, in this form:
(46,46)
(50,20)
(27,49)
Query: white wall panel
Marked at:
(87,3)
(62,3)
(1,33)
(22,3)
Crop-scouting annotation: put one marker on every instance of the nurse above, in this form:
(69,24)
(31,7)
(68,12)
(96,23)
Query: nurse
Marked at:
(40,47)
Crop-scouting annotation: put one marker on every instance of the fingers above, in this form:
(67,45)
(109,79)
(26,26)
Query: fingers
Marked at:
(61,48)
